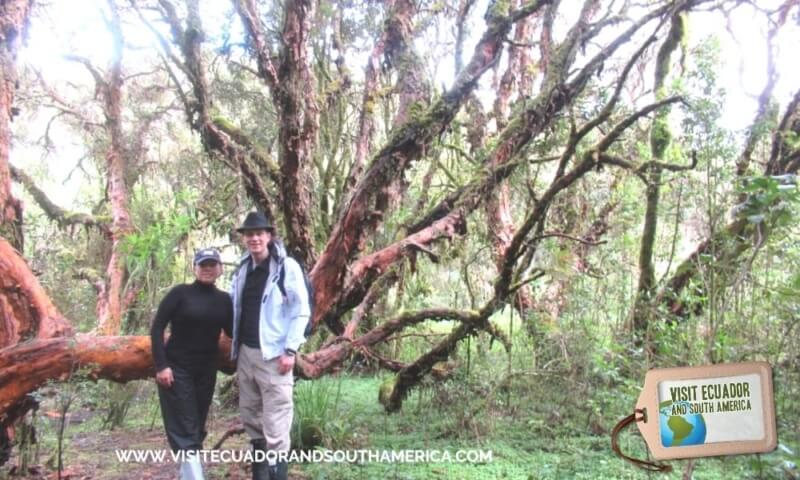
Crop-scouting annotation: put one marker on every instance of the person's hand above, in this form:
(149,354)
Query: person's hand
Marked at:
(285,364)
(165,378)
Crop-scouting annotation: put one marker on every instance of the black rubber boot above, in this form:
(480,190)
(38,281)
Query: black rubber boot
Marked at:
(260,468)
(279,471)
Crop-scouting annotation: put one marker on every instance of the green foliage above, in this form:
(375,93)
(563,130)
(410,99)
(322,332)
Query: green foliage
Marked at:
(769,199)
(120,397)
(26,442)
(792,140)
(152,253)
(155,243)
(319,420)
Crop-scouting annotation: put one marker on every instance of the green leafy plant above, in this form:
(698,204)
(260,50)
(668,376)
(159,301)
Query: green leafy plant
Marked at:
(120,397)
(318,418)
(769,199)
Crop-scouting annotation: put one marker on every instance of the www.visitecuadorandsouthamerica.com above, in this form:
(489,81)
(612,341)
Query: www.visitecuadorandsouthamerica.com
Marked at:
(313,456)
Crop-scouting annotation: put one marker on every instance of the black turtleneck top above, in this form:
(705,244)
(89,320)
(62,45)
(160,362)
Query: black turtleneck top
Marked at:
(196,312)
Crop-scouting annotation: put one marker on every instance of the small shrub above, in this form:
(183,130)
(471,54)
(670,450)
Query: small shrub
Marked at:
(318,418)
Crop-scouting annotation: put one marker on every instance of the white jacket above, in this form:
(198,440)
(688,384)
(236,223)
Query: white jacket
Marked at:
(282,320)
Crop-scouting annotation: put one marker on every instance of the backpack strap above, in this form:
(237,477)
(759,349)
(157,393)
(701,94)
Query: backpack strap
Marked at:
(282,278)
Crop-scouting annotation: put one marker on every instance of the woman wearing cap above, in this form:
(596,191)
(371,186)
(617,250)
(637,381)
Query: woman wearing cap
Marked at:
(186,368)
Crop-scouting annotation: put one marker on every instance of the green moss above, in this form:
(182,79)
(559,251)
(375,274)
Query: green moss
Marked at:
(675,38)
(499,9)
(369,107)
(385,391)
(660,137)
(225,124)
(684,31)
(417,109)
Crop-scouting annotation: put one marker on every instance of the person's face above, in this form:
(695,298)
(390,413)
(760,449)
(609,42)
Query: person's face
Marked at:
(256,242)
(207,271)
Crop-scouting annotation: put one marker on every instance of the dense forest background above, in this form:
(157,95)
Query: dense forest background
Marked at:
(509,212)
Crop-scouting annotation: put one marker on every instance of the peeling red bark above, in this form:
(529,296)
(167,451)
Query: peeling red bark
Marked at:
(392,43)
(13,19)
(498,210)
(322,361)
(26,311)
(452,210)
(553,301)
(299,126)
(517,75)
(498,207)
(363,212)
(109,306)
(292,85)
(27,366)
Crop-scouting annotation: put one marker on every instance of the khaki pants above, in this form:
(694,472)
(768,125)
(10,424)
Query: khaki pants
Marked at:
(265,399)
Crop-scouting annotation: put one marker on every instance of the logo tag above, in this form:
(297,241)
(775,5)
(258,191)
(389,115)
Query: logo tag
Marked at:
(710,410)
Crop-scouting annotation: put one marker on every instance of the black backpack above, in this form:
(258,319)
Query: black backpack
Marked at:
(309,288)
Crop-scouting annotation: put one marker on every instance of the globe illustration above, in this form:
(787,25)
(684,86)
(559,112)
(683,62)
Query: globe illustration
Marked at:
(680,430)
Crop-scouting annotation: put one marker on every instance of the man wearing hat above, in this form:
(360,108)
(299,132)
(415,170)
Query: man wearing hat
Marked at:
(186,369)
(268,327)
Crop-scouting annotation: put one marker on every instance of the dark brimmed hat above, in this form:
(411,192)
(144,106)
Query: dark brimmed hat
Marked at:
(256,221)
(207,254)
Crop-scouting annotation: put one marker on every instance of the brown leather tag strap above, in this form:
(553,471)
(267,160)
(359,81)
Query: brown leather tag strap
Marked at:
(638,415)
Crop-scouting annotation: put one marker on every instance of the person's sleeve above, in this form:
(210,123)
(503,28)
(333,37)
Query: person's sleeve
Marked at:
(166,309)
(227,323)
(298,309)
(232,289)
(231,296)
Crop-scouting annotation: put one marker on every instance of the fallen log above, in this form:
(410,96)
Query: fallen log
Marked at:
(27,366)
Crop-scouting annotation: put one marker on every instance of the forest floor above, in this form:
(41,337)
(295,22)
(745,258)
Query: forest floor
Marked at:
(529,437)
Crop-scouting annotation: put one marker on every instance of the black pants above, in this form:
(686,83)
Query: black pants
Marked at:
(184,407)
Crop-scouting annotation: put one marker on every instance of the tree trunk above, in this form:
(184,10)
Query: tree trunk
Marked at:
(26,312)
(109,304)
(366,119)
(13,19)
(498,208)
(363,213)
(554,299)
(299,124)
(23,311)
(660,138)
(647,276)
